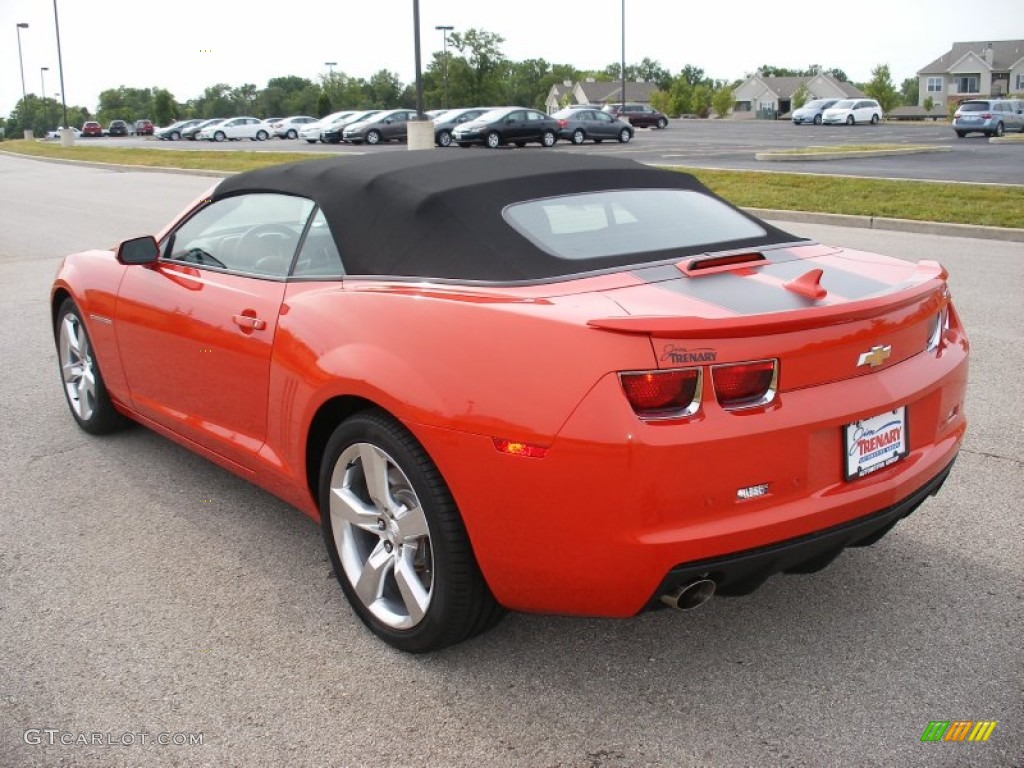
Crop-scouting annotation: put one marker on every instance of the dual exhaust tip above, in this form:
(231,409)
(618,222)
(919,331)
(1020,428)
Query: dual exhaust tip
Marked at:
(690,596)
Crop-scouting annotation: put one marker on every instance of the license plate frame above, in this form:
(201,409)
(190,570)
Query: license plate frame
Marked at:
(874,443)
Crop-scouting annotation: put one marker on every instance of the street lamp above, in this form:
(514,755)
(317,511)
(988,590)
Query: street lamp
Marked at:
(24,98)
(66,137)
(331,65)
(444,30)
(622,92)
(46,107)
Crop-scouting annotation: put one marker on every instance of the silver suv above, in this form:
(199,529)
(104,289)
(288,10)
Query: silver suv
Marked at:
(990,116)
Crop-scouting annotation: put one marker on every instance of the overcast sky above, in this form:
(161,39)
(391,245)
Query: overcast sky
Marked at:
(185,45)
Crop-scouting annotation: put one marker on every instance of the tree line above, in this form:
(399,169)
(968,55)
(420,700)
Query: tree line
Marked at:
(474,72)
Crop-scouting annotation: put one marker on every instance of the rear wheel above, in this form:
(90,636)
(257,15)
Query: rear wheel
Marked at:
(83,384)
(849,120)
(548,139)
(999,129)
(262,135)
(493,140)
(961,134)
(396,539)
(578,136)
(817,119)
(874,119)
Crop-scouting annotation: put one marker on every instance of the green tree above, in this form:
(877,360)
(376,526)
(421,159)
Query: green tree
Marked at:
(323,105)
(881,88)
(384,90)
(929,104)
(701,100)
(216,101)
(722,100)
(910,91)
(477,72)
(800,97)
(41,115)
(647,70)
(164,109)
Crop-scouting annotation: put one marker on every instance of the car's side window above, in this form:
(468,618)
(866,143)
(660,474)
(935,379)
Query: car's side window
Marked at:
(601,117)
(253,234)
(319,255)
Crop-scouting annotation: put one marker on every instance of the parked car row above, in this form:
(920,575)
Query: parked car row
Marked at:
(838,112)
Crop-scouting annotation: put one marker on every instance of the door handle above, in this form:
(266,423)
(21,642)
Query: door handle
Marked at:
(249,322)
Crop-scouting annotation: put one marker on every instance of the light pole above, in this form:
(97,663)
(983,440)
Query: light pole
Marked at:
(622,92)
(46,108)
(24,98)
(331,65)
(66,137)
(444,30)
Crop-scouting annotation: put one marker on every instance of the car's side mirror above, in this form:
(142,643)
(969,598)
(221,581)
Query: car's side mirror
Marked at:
(388,121)
(138,250)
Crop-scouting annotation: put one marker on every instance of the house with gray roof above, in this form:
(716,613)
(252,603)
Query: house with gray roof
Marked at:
(974,69)
(766,95)
(592,91)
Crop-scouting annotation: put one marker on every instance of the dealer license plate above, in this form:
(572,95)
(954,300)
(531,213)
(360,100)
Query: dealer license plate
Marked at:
(875,443)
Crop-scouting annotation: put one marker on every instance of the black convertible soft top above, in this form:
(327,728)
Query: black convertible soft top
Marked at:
(438,213)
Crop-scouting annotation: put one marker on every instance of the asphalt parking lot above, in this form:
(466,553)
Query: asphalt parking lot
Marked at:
(143,590)
(732,144)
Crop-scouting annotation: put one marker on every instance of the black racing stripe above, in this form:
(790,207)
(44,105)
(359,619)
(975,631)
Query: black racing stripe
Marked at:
(847,284)
(737,294)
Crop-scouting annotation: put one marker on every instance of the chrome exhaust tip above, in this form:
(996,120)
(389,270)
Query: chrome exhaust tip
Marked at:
(691,595)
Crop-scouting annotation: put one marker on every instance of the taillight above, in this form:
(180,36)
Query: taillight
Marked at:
(745,385)
(670,394)
(986,115)
(563,123)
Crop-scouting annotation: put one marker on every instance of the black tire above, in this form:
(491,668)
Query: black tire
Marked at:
(373,137)
(961,134)
(494,140)
(817,119)
(292,134)
(625,136)
(999,129)
(548,139)
(662,122)
(175,136)
(443,138)
(448,600)
(850,120)
(578,136)
(90,406)
(262,135)
(219,136)
(874,119)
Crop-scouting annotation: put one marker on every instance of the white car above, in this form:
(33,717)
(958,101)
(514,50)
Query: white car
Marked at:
(311,131)
(289,127)
(851,111)
(235,128)
(55,134)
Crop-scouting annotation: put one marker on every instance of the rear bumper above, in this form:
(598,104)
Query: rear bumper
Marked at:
(743,572)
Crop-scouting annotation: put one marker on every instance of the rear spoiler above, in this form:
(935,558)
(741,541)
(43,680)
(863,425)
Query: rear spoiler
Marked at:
(680,327)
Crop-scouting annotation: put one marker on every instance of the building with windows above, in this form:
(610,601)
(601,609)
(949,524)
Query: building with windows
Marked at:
(768,96)
(593,91)
(973,70)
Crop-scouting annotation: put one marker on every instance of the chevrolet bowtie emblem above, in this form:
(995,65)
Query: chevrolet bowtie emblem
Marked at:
(875,357)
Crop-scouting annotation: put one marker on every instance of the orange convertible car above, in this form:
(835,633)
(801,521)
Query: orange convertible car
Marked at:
(535,382)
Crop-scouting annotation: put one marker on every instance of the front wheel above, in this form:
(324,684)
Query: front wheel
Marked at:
(175,135)
(548,139)
(444,139)
(83,384)
(961,134)
(493,140)
(817,119)
(849,120)
(578,136)
(662,122)
(219,136)
(396,539)
(292,134)
(625,135)
(373,137)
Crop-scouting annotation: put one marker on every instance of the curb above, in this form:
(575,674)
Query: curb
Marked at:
(1006,234)
(789,157)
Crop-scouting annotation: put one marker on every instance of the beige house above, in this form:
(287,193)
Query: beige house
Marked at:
(766,95)
(593,91)
(970,70)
